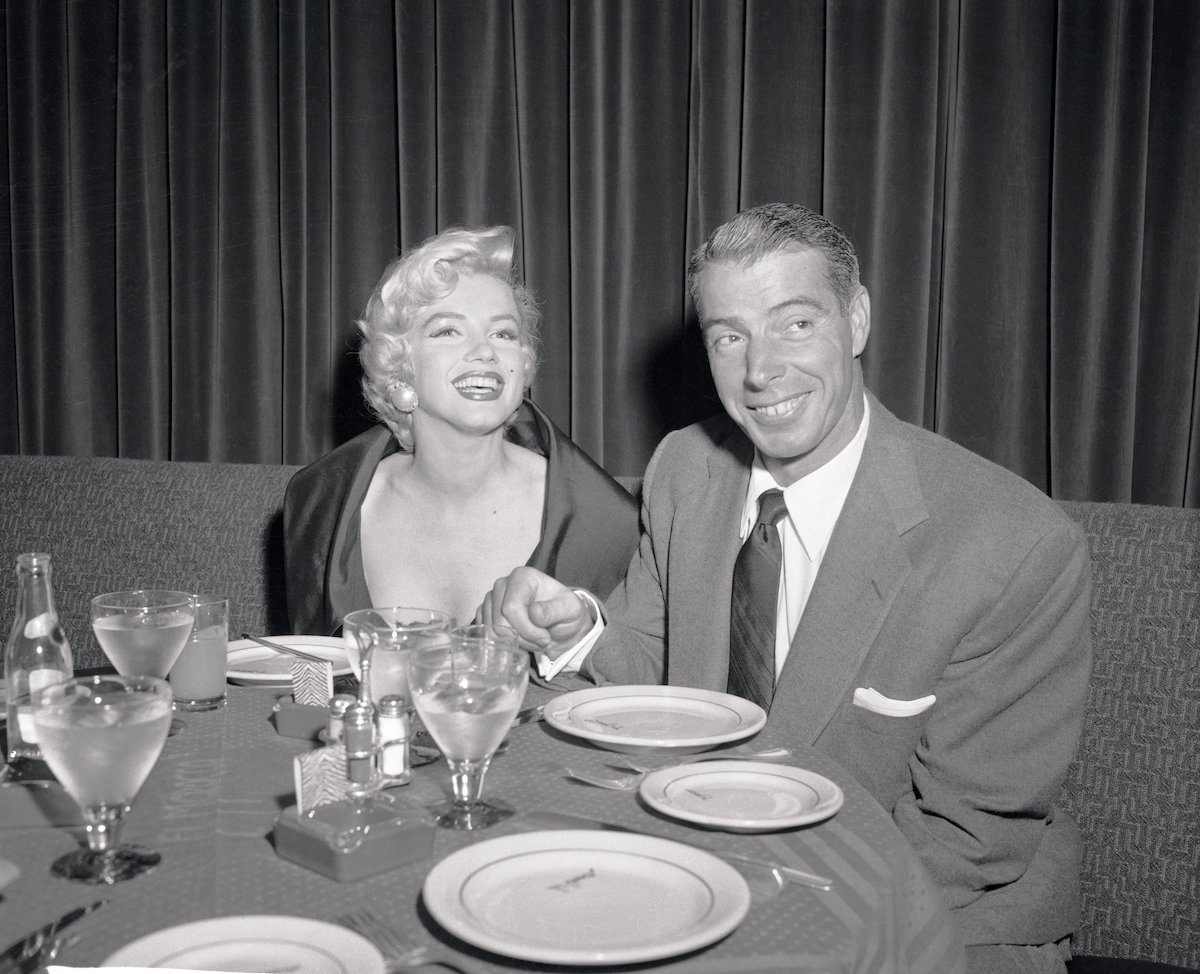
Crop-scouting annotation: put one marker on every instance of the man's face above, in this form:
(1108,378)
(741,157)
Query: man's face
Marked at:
(782,353)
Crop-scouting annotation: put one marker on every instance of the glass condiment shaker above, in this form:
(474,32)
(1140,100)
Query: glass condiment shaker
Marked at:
(337,712)
(393,740)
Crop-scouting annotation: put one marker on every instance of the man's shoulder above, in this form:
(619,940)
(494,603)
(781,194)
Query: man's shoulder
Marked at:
(956,482)
(692,451)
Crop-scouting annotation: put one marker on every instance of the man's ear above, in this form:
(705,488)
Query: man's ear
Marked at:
(860,319)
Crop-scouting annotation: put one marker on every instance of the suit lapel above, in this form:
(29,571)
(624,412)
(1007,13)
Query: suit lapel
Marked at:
(704,546)
(864,568)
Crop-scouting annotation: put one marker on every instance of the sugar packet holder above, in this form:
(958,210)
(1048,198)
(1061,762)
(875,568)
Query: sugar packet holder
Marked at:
(306,714)
(336,830)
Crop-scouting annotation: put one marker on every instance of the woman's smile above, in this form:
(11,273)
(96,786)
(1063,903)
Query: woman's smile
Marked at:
(481,386)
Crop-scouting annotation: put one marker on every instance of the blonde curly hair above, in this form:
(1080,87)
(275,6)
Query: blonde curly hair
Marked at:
(414,281)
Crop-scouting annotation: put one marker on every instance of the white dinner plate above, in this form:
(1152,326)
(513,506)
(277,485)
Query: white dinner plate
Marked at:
(254,943)
(253,665)
(651,718)
(742,796)
(586,897)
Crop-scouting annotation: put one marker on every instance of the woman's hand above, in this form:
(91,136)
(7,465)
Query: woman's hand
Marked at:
(547,616)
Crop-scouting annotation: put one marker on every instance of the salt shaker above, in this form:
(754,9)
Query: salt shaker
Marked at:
(393,740)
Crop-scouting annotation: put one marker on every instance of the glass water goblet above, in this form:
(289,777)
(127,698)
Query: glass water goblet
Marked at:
(385,673)
(361,625)
(393,627)
(143,631)
(101,735)
(467,693)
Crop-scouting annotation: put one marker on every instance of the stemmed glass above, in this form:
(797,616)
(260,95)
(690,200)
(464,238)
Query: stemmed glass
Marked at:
(467,693)
(376,640)
(143,631)
(101,735)
(360,626)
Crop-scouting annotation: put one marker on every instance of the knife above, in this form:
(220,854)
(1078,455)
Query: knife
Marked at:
(288,650)
(561,820)
(16,953)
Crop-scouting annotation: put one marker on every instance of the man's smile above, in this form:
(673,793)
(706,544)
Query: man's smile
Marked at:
(778,410)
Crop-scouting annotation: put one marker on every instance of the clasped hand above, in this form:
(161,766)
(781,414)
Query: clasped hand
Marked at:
(547,616)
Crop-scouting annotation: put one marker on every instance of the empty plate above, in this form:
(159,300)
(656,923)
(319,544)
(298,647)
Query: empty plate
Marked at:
(741,796)
(586,897)
(254,943)
(250,664)
(651,718)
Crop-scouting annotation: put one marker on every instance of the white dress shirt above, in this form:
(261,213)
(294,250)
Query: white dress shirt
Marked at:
(814,504)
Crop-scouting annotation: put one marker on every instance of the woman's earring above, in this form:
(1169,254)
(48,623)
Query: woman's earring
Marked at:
(403,396)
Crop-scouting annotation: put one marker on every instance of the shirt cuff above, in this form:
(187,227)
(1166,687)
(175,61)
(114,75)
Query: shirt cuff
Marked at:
(572,659)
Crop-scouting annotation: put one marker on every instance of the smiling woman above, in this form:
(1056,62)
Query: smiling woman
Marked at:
(464,478)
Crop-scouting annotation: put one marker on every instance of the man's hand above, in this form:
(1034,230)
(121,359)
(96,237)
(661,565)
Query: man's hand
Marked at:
(548,617)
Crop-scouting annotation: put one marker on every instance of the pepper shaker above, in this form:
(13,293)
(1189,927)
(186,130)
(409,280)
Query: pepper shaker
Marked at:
(358,736)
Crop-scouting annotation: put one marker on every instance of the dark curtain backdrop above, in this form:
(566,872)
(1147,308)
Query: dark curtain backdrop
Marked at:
(198,197)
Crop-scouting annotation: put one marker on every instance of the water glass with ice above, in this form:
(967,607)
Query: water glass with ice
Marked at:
(142,631)
(361,626)
(101,735)
(467,693)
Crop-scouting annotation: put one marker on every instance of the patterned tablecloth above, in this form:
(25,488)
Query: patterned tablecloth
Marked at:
(211,801)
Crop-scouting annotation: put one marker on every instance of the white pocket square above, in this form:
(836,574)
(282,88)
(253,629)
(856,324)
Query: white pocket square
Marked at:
(871,699)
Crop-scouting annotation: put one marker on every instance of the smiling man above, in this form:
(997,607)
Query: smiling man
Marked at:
(895,601)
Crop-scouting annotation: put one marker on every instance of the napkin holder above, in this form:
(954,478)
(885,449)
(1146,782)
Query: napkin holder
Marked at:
(304,721)
(306,714)
(353,838)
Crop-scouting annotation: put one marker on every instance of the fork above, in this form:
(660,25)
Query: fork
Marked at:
(642,766)
(627,782)
(646,763)
(48,954)
(400,953)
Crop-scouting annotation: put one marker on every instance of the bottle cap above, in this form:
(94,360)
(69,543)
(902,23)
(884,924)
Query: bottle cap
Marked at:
(391,706)
(358,715)
(339,702)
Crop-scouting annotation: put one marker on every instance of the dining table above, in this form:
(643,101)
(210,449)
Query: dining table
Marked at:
(211,802)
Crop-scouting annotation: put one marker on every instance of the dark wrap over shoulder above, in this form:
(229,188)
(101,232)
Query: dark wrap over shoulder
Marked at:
(589,522)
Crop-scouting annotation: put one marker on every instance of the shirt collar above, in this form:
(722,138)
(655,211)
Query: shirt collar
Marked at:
(814,502)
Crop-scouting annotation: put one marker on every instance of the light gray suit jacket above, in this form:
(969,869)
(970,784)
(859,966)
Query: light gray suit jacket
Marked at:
(945,575)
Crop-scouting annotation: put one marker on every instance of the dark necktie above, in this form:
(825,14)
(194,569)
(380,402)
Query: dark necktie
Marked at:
(754,604)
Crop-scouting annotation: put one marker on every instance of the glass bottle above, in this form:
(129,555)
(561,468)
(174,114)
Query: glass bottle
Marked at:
(36,655)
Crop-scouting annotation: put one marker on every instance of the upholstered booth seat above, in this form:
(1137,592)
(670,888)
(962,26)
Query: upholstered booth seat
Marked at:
(1134,787)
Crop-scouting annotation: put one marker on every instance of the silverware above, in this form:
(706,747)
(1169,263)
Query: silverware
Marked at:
(627,782)
(29,947)
(527,716)
(280,648)
(399,952)
(561,820)
(49,953)
(654,762)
